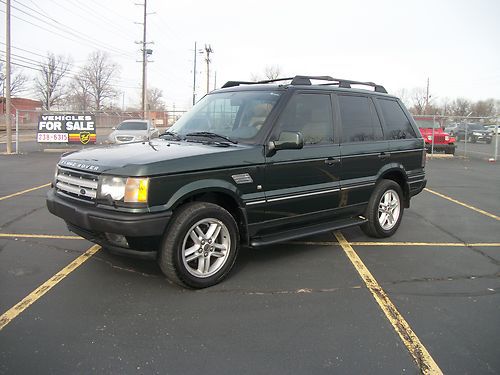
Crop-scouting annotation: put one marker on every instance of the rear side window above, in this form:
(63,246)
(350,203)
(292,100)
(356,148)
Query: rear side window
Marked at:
(360,122)
(398,125)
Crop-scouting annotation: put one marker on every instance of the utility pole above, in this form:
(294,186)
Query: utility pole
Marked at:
(145,53)
(427,96)
(144,66)
(194,75)
(7,78)
(208,50)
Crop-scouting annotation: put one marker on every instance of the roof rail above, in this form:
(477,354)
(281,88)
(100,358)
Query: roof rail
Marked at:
(237,83)
(306,81)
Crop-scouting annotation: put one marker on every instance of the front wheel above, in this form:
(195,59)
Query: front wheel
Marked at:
(200,246)
(385,210)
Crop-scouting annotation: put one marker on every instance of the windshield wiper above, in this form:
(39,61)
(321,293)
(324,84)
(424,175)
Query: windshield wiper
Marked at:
(211,135)
(175,136)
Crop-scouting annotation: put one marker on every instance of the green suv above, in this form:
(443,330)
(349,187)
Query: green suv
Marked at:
(251,164)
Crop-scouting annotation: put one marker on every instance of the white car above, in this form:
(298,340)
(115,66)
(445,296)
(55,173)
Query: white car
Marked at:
(492,128)
(136,130)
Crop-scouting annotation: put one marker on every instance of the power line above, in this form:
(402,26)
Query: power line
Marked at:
(82,38)
(38,68)
(107,22)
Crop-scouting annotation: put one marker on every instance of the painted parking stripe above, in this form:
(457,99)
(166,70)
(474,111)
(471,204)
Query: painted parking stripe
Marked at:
(45,236)
(463,204)
(24,192)
(436,244)
(423,359)
(31,298)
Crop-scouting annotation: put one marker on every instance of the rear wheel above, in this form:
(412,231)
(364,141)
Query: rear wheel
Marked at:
(200,246)
(385,210)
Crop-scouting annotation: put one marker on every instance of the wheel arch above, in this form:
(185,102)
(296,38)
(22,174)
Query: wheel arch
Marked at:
(217,192)
(397,174)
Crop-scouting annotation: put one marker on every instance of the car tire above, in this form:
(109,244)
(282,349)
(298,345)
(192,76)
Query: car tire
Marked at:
(386,199)
(200,245)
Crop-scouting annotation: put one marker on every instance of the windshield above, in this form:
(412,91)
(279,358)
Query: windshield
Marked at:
(236,115)
(132,125)
(427,124)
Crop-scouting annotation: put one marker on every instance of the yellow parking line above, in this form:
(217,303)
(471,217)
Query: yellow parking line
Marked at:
(463,204)
(444,244)
(49,236)
(417,350)
(23,192)
(31,298)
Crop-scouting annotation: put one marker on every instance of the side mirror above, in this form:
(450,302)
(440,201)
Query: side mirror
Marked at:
(286,141)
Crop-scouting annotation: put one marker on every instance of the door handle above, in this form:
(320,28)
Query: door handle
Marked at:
(332,161)
(384,155)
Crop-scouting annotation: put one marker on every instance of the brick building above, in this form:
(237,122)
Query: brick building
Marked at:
(27,109)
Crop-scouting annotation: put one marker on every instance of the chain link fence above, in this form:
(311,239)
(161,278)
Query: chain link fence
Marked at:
(461,136)
(25,127)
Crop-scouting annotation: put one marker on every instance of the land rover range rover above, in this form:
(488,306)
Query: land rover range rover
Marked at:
(252,164)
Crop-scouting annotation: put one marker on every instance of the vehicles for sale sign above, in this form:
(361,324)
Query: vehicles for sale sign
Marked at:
(66,128)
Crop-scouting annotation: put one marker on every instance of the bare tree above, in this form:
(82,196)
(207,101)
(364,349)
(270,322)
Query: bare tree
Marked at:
(270,72)
(419,101)
(484,108)
(99,72)
(79,97)
(49,83)
(18,82)
(155,99)
(461,107)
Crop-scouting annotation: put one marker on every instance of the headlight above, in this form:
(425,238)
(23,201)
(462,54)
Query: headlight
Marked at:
(446,138)
(112,186)
(128,190)
(475,133)
(429,137)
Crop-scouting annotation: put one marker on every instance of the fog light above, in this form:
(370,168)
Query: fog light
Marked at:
(117,239)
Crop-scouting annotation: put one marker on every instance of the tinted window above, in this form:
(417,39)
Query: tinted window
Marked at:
(310,114)
(360,122)
(398,125)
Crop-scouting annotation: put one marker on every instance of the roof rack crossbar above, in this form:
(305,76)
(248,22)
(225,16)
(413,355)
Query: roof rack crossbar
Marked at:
(306,81)
(346,83)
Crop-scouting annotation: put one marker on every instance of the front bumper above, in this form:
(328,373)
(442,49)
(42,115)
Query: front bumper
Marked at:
(447,147)
(93,223)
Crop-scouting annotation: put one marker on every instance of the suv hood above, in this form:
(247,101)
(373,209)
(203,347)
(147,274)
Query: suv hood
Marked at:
(160,157)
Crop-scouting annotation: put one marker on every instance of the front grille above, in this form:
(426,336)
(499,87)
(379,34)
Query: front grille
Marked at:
(439,138)
(77,184)
(123,138)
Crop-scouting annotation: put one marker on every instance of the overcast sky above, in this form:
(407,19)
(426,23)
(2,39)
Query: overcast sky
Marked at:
(398,44)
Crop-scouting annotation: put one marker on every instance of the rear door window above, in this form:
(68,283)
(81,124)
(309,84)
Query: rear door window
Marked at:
(360,122)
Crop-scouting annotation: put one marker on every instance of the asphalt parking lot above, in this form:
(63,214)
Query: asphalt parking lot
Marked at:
(423,301)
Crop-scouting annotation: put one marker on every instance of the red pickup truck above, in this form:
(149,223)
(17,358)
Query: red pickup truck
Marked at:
(431,129)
